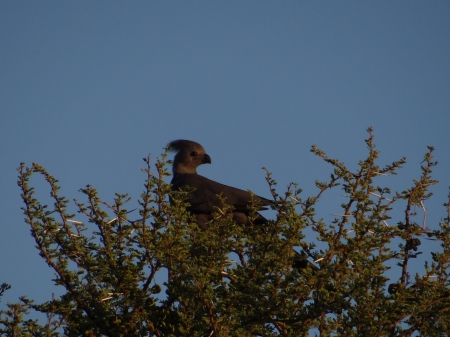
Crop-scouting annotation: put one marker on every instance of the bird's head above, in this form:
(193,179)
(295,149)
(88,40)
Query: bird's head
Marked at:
(189,156)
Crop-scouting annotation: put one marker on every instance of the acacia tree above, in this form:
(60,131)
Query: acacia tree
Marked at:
(159,274)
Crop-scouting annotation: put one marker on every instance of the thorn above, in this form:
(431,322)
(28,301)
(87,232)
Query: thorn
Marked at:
(294,199)
(78,222)
(424,214)
(379,196)
(112,220)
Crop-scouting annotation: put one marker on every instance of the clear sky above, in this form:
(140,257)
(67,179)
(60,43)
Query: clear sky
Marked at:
(87,89)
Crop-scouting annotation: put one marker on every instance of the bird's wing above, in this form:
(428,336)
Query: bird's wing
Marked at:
(204,198)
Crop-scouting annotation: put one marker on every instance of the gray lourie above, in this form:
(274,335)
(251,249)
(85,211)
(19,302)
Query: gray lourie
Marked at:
(204,198)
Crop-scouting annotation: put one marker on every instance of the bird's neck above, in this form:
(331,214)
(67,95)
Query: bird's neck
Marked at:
(179,168)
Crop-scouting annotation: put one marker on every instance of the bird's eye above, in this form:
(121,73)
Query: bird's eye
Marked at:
(193,154)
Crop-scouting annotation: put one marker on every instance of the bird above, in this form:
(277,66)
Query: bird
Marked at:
(204,198)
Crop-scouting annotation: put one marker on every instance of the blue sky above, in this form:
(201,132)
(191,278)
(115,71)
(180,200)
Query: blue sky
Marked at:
(87,89)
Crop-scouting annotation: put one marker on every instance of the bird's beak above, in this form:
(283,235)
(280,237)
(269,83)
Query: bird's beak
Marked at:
(206,159)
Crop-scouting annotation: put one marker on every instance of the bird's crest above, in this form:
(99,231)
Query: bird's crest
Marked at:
(181,144)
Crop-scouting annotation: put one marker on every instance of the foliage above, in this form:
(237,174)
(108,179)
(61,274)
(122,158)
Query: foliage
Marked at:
(161,275)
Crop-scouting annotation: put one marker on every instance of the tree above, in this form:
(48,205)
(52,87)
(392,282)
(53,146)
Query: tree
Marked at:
(159,274)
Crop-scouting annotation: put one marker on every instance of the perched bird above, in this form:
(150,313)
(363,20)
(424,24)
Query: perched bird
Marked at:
(204,198)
